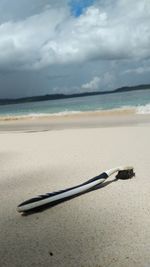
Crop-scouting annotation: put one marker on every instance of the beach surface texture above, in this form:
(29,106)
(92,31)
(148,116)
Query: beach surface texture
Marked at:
(109,226)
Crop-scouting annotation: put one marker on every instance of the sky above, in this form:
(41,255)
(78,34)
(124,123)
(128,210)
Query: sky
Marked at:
(72,46)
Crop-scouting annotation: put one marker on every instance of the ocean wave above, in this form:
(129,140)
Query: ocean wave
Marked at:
(65,113)
(36,115)
(125,108)
(145,109)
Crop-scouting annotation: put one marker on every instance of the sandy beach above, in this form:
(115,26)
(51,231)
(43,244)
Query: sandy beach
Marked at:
(106,227)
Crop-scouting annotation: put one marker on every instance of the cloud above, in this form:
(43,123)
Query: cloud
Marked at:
(22,43)
(139,70)
(104,81)
(17,10)
(92,85)
(117,31)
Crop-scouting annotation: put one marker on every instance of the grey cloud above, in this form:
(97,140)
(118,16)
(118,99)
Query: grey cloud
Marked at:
(17,10)
(138,70)
(56,77)
(44,49)
(46,38)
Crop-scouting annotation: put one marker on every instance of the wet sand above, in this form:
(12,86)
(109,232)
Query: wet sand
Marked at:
(75,121)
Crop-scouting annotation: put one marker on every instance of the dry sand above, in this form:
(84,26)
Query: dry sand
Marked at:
(106,227)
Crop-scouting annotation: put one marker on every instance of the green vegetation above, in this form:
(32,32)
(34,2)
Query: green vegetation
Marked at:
(63,96)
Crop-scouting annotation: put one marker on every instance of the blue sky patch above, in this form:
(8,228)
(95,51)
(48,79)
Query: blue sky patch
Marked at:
(78,6)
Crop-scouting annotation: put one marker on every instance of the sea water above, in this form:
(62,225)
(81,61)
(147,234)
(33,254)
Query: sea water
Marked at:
(137,100)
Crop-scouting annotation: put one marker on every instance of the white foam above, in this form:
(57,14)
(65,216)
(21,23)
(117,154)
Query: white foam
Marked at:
(63,113)
(125,107)
(143,109)
(37,115)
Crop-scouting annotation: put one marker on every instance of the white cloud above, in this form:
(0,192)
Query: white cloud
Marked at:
(118,31)
(106,80)
(92,85)
(139,70)
(21,43)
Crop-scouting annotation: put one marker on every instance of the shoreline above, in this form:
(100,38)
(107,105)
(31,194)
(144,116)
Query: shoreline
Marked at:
(96,119)
(106,112)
